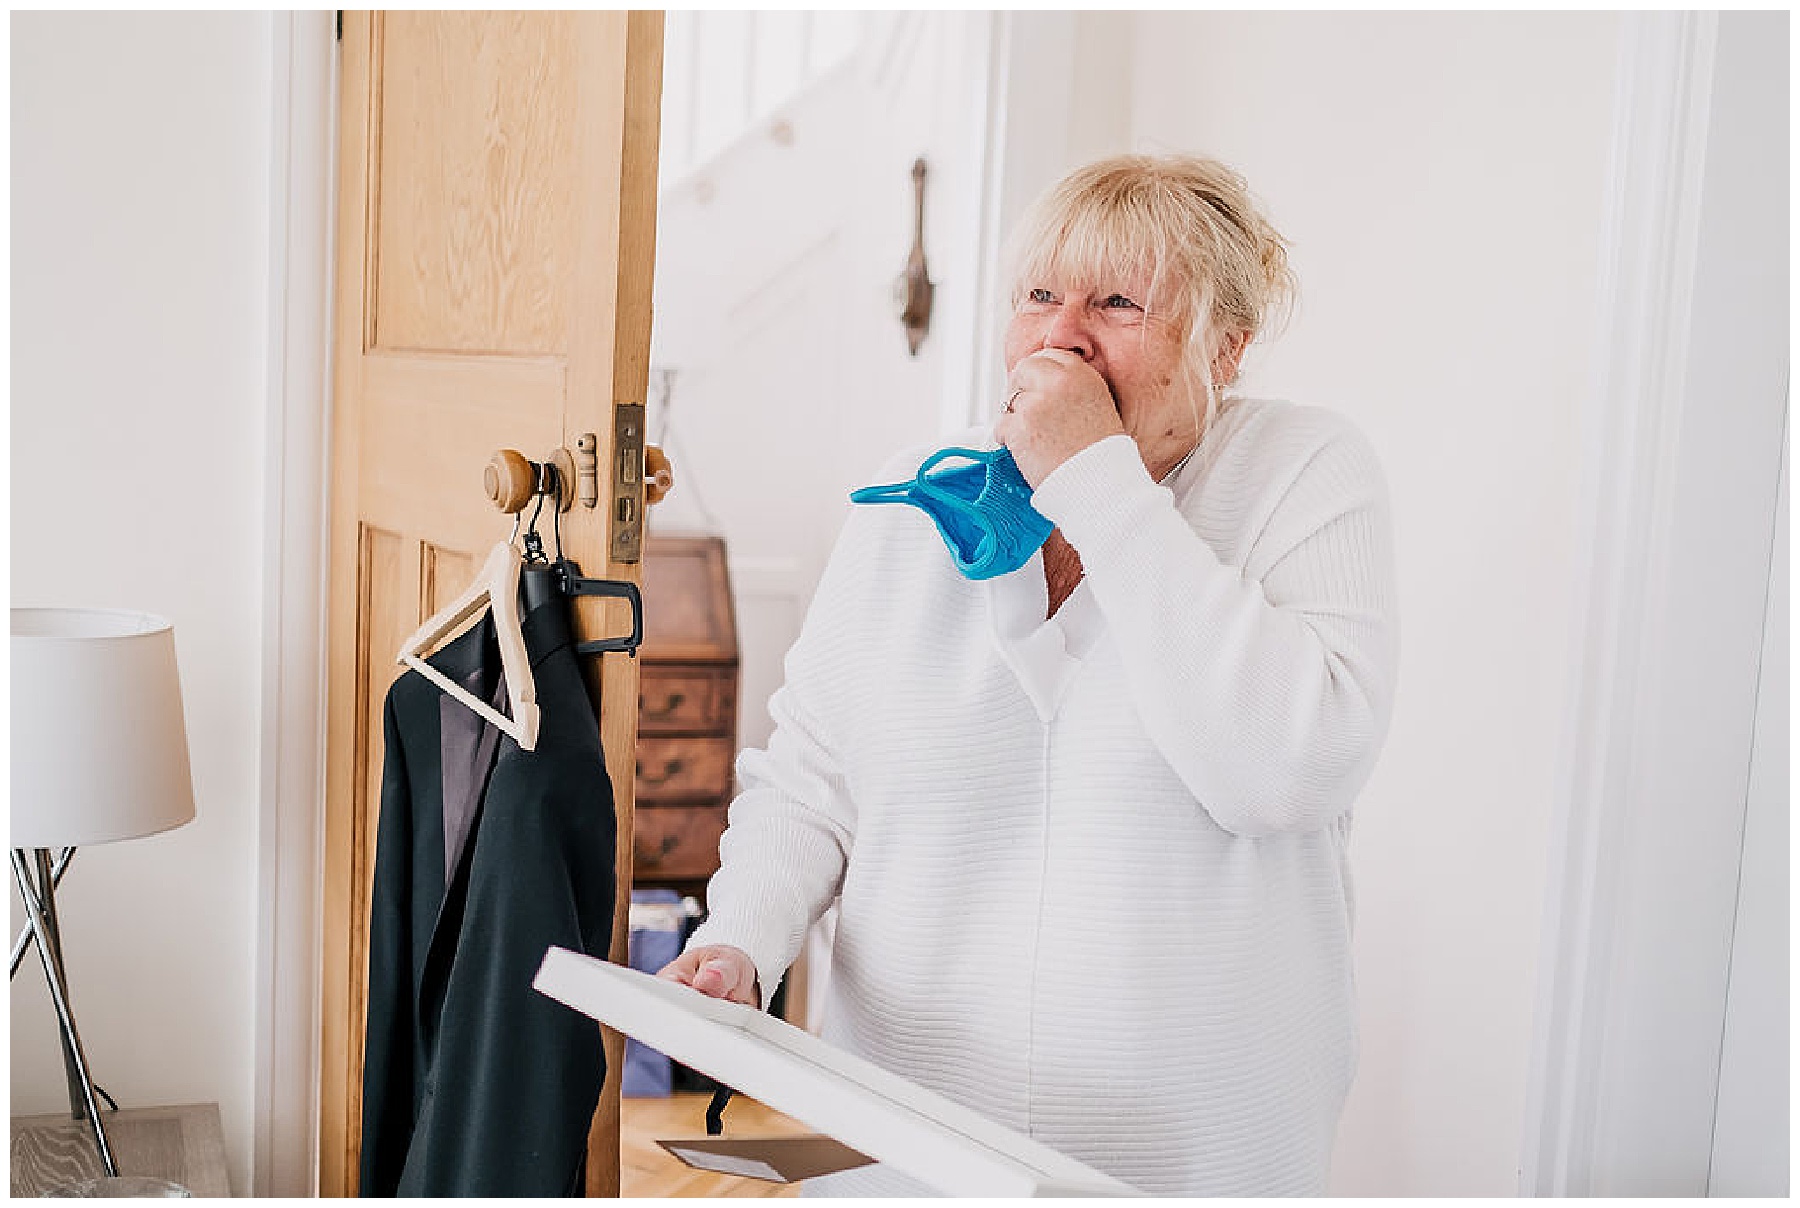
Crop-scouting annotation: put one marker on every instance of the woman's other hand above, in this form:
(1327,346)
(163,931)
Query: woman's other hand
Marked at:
(1058,406)
(717,971)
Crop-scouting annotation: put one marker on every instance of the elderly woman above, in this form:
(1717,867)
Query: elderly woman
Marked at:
(1086,821)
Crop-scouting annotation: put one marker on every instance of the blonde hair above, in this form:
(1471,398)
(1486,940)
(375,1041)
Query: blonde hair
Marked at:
(1217,266)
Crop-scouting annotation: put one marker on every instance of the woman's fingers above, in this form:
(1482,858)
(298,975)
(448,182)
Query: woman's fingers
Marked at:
(1060,406)
(716,978)
(717,971)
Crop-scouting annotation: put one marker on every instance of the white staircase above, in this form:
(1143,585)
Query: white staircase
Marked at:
(724,72)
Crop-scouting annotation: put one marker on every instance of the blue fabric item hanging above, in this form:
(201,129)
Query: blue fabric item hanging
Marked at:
(983,509)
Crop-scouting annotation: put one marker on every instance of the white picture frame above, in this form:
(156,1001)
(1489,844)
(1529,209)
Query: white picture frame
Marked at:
(918,1132)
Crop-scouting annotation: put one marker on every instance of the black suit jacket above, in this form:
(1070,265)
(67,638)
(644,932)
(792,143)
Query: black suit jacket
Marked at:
(474,1083)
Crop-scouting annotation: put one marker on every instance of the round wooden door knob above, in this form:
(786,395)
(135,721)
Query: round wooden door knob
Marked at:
(510,479)
(659,475)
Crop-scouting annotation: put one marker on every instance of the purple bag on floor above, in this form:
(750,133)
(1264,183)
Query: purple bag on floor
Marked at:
(656,934)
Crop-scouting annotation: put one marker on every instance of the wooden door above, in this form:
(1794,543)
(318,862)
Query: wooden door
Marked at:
(496,230)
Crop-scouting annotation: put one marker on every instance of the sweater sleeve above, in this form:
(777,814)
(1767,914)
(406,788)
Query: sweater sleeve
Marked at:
(790,829)
(1268,694)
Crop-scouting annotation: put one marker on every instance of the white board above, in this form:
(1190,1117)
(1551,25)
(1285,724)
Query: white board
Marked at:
(918,1132)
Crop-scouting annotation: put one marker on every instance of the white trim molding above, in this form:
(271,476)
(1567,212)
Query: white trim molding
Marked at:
(973,372)
(1048,103)
(1645,293)
(1682,446)
(964,314)
(291,745)
(1031,57)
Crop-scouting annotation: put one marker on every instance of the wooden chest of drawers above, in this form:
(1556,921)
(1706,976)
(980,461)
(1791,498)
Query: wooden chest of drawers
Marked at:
(687,712)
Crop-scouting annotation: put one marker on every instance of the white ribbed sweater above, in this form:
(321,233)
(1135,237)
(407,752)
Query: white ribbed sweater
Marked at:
(1092,869)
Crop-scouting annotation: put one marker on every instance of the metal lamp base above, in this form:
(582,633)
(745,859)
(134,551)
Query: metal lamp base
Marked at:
(39,895)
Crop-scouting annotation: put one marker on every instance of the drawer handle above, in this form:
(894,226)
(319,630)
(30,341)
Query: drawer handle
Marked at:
(674,703)
(670,770)
(668,844)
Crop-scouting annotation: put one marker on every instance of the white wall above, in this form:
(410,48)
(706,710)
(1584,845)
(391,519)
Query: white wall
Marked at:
(141,210)
(1441,177)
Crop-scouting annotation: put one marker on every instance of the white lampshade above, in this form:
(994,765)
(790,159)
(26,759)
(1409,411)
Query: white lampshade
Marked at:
(99,747)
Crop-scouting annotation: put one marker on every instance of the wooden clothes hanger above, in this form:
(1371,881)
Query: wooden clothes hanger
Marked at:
(496,587)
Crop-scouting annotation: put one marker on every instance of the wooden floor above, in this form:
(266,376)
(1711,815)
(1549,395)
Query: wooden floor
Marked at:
(647,1170)
(51,1150)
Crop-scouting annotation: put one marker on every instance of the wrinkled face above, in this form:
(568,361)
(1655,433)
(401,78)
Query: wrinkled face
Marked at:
(1125,335)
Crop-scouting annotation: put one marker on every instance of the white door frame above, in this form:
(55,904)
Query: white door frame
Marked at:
(291,754)
(1751,1126)
(1682,451)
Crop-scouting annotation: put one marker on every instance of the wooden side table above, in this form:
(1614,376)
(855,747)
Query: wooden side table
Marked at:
(185,1145)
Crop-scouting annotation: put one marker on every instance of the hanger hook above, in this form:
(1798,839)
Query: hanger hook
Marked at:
(534,544)
(556,516)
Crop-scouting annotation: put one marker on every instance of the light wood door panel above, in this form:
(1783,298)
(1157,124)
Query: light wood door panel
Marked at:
(496,227)
(476,190)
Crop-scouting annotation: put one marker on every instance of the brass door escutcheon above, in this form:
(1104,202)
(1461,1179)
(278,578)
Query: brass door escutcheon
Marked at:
(628,482)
